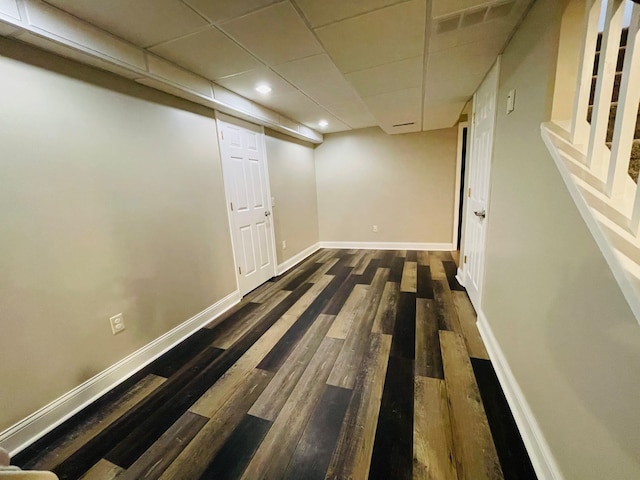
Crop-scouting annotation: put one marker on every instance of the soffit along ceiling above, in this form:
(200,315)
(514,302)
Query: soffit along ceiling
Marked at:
(405,65)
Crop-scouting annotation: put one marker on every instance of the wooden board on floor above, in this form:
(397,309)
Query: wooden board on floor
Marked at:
(386,314)
(467,317)
(475,452)
(97,423)
(275,451)
(103,470)
(352,455)
(428,356)
(274,397)
(445,308)
(409,277)
(197,455)
(347,313)
(433,457)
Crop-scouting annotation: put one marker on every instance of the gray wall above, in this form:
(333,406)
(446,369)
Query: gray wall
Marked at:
(402,183)
(111,200)
(550,298)
(292,176)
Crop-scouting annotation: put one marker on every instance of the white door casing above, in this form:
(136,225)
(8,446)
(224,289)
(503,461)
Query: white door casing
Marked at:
(478,187)
(246,180)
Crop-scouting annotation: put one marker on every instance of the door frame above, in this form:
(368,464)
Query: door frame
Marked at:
(462,273)
(457,206)
(223,117)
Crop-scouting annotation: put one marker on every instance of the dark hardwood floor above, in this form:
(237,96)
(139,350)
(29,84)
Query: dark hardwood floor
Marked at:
(353,365)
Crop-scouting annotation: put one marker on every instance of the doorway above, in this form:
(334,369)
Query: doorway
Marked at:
(478,184)
(246,180)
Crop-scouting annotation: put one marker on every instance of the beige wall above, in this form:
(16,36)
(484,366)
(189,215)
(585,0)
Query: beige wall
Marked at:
(550,298)
(402,183)
(111,200)
(293,187)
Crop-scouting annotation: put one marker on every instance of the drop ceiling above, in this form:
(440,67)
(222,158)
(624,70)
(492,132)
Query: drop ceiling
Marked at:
(404,65)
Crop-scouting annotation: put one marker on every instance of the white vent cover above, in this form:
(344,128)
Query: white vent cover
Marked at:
(474,16)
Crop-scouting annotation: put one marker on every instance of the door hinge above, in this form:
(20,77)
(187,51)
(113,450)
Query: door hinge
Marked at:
(469,194)
(465,259)
(222,134)
(232,206)
(239,270)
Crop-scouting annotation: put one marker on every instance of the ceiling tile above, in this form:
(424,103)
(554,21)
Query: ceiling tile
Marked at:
(391,34)
(399,107)
(245,84)
(474,58)
(209,53)
(142,22)
(443,115)
(297,106)
(388,77)
(221,10)
(310,72)
(323,12)
(454,88)
(275,34)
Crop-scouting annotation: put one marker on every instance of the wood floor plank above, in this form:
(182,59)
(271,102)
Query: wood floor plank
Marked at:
(347,365)
(475,452)
(386,314)
(275,451)
(451,270)
(412,256)
(445,308)
(425,284)
(369,272)
(467,317)
(404,329)
(233,314)
(226,337)
(271,401)
(103,470)
(397,267)
(214,398)
(279,353)
(433,457)
(301,277)
(347,313)
(313,452)
(428,356)
(159,456)
(423,258)
(352,455)
(392,455)
(93,425)
(321,272)
(455,255)
(199,453)
(238,450)
(308,298)
(358,261)
(437,269)
(409,277)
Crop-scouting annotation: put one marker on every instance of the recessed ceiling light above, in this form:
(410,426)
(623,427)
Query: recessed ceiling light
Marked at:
(264,89)
(323,123)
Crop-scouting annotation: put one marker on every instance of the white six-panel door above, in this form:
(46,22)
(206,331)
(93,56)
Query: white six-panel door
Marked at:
(482,131)
(247,188)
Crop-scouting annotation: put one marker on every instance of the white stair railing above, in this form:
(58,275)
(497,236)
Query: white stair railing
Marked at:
(596,176)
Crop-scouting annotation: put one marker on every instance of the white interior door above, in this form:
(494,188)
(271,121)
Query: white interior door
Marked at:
(247,187)
(482,130)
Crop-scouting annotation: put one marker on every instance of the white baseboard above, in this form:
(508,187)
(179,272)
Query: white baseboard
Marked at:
(36,425)
(436,247)
(297,258)
(537,447)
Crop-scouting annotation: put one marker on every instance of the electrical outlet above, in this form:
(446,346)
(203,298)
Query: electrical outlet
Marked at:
(284,244)
(375,229)
(117,323)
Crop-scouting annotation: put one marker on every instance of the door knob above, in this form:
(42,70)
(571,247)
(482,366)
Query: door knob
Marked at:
(480,213)
(267,213)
